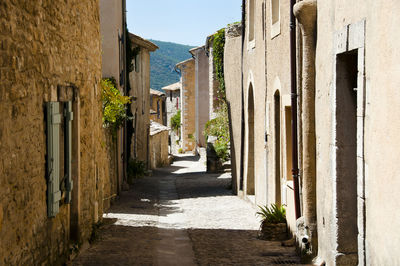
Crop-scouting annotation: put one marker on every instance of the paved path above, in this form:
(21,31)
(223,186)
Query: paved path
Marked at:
(182,216)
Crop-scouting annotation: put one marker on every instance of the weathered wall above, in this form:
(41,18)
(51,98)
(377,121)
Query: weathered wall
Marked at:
(159,150)
(111,29)
(213,84)
(254,76)
(232,73)
(202,93)
(140,106)
(280,184)
(381,142)
(43,45)
(188,113)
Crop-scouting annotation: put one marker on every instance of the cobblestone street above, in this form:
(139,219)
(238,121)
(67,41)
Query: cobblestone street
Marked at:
(182,216)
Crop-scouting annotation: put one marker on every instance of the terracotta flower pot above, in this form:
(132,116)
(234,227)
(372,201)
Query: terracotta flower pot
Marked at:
(274,232)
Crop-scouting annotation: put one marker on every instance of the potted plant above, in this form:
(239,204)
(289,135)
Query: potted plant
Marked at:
(273,222)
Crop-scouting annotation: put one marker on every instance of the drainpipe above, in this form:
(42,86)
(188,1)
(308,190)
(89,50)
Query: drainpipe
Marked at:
(293,85)
(306,13)
(242,127)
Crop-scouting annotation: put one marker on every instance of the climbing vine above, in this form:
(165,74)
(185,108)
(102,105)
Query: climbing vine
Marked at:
(218,57)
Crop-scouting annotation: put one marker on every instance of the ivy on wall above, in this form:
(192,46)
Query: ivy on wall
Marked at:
(218,57)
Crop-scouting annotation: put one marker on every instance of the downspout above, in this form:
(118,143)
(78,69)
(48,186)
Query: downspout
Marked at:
(243,125)
(306,13)
(293,85)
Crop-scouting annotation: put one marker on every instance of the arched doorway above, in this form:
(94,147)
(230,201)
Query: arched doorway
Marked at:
(250,140)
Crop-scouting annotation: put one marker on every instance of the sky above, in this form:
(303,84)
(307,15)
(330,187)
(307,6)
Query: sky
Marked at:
(181,21)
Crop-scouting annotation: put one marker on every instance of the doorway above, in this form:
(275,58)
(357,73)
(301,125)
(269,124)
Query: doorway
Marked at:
(250,190)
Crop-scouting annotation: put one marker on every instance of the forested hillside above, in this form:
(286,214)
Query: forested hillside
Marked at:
(163,61)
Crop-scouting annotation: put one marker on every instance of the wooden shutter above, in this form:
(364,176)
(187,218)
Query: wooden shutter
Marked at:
(53,158)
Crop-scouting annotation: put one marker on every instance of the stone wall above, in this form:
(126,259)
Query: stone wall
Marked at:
(188,127)
(45,46)
(159,149)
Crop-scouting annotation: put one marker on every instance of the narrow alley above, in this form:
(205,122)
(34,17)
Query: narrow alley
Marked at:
(182,215)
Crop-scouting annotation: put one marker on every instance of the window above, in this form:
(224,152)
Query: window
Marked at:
(275,18)
(58,160)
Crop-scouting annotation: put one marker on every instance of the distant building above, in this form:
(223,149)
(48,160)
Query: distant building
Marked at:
(201,92)
(173,104)
(188,111)
(158,107)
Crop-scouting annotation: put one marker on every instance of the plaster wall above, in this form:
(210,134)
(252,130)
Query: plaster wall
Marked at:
(111,28)
(278,85)
(380,139)
(254,75)
(232,73)
(202,95)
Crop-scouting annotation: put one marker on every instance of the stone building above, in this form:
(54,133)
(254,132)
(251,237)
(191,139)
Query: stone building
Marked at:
(139,80)
(53,161)
(112,30)
(159,155)
(346,150)
(201,93)
(158,107)
(188,104)
(173,93)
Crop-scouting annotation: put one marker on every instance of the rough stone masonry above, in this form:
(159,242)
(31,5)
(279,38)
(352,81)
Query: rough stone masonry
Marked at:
(46,45)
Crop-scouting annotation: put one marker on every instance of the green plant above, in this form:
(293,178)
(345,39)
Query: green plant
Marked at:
(180,150)
(219,127)
(136,169)
(114,105)
(176,121)
(218,59)
(274,214)
(192,137)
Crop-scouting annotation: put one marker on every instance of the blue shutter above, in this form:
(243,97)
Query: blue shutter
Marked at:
(53,158)
(69,116)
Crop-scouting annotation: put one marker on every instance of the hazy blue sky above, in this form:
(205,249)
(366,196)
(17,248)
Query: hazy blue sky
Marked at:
(181,21)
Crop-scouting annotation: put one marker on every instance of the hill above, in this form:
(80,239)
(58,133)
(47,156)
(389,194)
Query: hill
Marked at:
(163,61)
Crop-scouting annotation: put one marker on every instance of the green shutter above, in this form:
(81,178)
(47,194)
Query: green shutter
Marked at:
(69,116)
(53,158)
